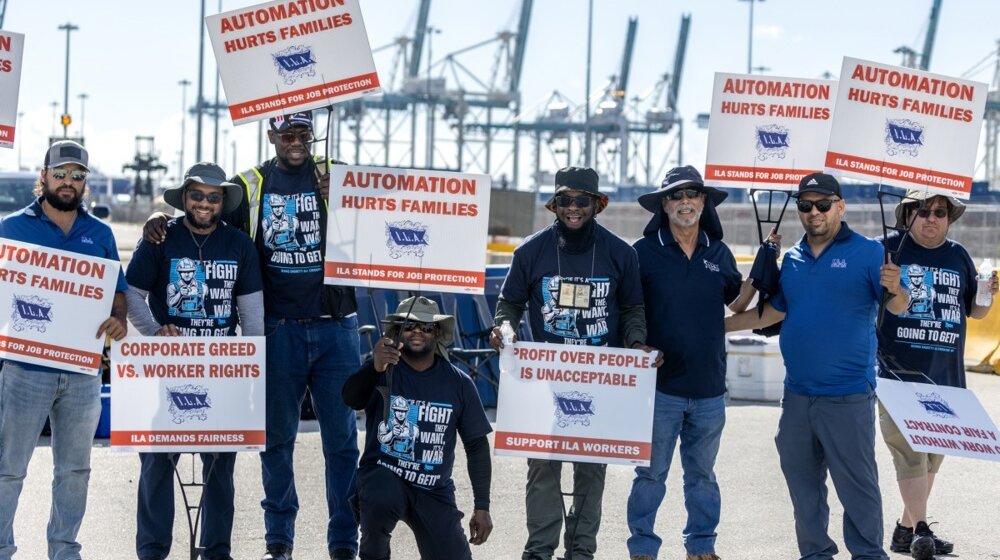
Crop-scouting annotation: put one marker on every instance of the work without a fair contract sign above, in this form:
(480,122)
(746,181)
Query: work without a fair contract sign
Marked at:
(55,301)
(291,55)
(906,128)
(940,419)
(577,403)
(767,132)
(11,53)
(407,229)
(185,394)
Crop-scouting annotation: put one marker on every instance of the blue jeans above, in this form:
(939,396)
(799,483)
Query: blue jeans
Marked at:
(319,354)
(72,401)
(699,424)
(155,511)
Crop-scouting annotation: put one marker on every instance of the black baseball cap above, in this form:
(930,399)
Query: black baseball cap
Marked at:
(819,183)
(284,122)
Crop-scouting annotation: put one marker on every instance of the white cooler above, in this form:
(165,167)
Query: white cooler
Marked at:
(754,368)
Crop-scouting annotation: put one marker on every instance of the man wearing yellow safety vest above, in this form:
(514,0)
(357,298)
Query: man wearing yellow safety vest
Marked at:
(311,328)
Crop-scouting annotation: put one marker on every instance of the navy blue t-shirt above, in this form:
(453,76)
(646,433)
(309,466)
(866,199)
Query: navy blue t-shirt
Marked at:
(930,335)
(293,217)
(685,311)
(196,293)
(537,274)
(427,409)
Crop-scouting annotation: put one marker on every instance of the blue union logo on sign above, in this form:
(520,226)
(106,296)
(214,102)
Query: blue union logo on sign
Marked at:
(294,63)
(935,405)
(406,237)
(573,407)
(903,136)
(31,312)
(188,402)
(772,142)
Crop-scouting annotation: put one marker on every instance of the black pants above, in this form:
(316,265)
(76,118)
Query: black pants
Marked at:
(384,499)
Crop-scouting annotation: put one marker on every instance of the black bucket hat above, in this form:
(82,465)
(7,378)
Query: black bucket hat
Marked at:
(683,177)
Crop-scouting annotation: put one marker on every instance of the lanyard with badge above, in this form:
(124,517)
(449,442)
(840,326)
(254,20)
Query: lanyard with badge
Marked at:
(573,294)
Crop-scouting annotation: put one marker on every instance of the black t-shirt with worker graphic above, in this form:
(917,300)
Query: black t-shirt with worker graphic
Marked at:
(195,289)
(426,410)
(292,220)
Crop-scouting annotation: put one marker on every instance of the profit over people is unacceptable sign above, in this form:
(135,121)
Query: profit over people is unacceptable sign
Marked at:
(577,403)
(180,394)
(11,53)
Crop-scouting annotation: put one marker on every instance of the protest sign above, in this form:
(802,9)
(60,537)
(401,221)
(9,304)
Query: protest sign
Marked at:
(407,229)
(56,300)
(905,127)
(767,132)
(188,393)
(11,53)
(590,404)
(940,419)
(291,55)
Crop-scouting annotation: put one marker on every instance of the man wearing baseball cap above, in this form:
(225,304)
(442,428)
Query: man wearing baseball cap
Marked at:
(29,393)
(580,285)
(831,284)
(203,280)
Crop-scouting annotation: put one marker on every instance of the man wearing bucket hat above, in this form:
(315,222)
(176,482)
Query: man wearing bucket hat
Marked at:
(203,280)
(29,393)
(830,288)
(934,265)
(405,472)
(688,277)
(580,285)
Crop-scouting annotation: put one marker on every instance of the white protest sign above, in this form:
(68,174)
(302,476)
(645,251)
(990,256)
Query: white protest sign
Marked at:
(186,394)
(11,53)
(291,55)
(940,419)
(590,404)
(56,301)
(407,229)
(767,132)
(906,128)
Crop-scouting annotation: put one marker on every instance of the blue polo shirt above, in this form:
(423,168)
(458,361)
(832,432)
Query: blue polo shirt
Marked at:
(88,236)
(685,310)
(830,302)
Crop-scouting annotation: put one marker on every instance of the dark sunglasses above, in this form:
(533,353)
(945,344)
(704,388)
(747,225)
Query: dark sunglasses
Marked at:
(685,193)
(939,213)
(426,328)
(823,205)
(198,196)
(289,137)
(60,174)
(582,201)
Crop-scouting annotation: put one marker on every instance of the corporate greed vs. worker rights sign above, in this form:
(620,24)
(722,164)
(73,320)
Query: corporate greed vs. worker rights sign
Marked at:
(55,300)
(589,404)
(290,55)
(11,52)
(906,128)
(179,394)
(767,132)
(407,229)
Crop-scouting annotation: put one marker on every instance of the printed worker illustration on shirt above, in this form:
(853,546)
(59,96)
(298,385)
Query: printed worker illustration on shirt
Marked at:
(921,290)
(558,320)
(398,436)
(187,289)
(280,223)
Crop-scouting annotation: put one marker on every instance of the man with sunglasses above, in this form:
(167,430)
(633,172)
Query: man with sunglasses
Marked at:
(284,211)
(405,471)
(580,285)
(830,287)
(688,277)
(29,393)
(929,338)
(203,280)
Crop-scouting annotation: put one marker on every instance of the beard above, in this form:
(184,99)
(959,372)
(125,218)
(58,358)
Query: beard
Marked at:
(57,202)
(201,224)
(412,354)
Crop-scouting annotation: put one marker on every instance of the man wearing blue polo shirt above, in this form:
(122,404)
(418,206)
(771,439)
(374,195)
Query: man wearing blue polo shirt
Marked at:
(29,393)
(831,283)
(688,276)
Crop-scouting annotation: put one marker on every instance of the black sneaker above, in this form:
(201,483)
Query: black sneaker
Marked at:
(901,538)
(941,546)
(278,552)
(342,554)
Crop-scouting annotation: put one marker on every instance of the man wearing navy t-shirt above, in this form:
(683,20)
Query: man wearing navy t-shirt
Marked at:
(830,287)
(405,471)
(203,280)
(580,285)
(688,277)
(928,337)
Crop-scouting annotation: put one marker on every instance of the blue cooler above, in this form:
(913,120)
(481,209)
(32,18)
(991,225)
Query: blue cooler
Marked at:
(104,424)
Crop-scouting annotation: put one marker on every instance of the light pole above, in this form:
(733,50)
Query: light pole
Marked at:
(184,84)
(750,38)
(83,100)
(20,116)
(201,81)
(431,105)
(68,28)
(54,104)
(586,94)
